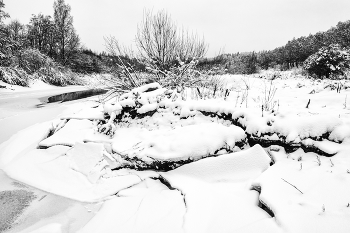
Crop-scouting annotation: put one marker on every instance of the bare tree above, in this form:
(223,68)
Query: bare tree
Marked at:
(67,38)
(16,30)
(42,34)
(161,43)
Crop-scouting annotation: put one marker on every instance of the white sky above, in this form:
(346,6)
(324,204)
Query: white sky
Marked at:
(232,25)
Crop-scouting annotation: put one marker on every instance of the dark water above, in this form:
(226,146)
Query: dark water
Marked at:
(70,96)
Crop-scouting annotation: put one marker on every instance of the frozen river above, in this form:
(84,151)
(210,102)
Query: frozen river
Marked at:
(19,109)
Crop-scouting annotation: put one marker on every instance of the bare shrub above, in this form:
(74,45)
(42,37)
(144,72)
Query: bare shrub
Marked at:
(269,91)
(31,60)
(162,44)
(124,77)
(169,55)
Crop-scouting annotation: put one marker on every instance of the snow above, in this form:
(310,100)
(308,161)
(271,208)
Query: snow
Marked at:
(86,113)
(35,84)
(340,133)
(218,192)
(228,167)
(52,228)
(159,164)
(146,207)
(51,170)
(147,108)
(193,141)
(87,158)
(322,205)
(74,131)
(325,145)
(112,107)
(26,140)
(146,87)
(18,107)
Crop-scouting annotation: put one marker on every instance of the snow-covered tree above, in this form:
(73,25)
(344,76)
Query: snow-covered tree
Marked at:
(42,34)
(5,42)
(328,61)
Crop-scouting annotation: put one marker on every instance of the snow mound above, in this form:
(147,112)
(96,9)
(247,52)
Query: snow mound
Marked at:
(217,191)
(340,133)
(228,167)
(304,127)
(325,146)
(183,143)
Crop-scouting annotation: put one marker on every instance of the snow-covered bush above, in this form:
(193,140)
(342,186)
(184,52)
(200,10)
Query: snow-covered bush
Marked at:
(40,66)
(58,76)
(329,61)
(14,76)
(182,74)
(31,60)
(32,64)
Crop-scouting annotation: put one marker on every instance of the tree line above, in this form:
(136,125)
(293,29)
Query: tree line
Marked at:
(50,36)
(296,51)
(292,54)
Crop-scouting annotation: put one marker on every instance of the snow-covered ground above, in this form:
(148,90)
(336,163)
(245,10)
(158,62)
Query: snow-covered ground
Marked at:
(254,155)
(18,106)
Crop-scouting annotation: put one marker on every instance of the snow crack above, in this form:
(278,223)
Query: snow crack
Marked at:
(164,181)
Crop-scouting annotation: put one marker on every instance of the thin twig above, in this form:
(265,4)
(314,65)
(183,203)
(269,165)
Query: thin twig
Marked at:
(292,185)
(308,103)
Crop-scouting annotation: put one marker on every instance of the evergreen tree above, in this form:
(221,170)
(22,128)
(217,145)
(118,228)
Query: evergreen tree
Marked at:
(329,60)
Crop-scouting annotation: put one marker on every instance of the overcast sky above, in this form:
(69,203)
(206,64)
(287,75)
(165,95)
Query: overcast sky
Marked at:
(229,25)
